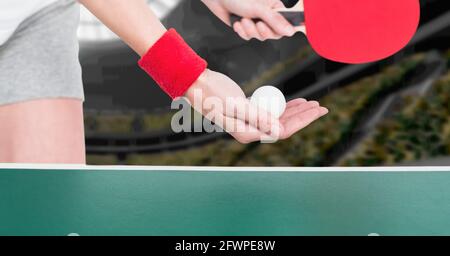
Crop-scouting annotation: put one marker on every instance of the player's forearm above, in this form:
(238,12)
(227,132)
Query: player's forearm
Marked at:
(132,20)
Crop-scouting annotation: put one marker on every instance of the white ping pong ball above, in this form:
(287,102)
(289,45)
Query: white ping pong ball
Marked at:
(271,99)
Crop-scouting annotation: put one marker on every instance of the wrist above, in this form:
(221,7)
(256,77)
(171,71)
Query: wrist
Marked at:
(199,85)
(173,64)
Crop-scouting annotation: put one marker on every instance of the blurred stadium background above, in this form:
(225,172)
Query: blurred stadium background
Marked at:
(393,112)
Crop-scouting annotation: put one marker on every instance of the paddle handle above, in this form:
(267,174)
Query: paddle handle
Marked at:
(295,18)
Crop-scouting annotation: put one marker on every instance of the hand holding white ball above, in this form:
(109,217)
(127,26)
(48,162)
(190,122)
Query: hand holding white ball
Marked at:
(271,99)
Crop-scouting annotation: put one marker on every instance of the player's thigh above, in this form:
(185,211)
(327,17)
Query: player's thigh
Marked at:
(42,131)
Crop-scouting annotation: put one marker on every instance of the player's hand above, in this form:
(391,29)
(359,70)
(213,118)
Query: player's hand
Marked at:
(222,101)
(299,114)
(272,25)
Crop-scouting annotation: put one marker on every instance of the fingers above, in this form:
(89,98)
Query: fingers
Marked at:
(299,114)
(323,111)
(247,30)
(261,30)
(299,108)
(238,28)
(302,119)
(250,29)
(265,32)
(263,21)
(276,21)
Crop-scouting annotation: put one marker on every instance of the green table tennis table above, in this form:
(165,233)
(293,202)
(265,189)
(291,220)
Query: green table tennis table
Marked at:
(224,201)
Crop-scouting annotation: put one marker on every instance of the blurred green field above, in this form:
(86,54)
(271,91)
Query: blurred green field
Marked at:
(419,130)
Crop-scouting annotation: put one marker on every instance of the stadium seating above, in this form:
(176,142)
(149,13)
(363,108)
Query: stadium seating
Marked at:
(420,130)
(277,69)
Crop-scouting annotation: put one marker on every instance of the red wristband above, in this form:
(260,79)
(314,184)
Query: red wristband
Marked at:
(173,64)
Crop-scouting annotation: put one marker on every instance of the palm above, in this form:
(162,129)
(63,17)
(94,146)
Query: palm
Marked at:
(298,115)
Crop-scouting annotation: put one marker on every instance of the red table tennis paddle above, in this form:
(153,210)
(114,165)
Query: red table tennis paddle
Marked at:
(354,31)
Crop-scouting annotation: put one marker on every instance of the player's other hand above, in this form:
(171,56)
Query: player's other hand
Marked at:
(222,101)
(272,25)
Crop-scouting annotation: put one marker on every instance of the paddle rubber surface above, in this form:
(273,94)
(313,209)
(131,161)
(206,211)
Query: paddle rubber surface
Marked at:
(360,31)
